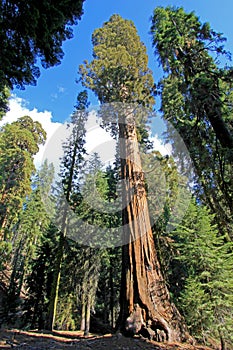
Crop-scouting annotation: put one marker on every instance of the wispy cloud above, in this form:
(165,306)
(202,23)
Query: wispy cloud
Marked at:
(61,89)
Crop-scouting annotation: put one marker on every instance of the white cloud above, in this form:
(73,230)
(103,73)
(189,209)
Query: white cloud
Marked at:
(97,139)
(18,108)
(164,149)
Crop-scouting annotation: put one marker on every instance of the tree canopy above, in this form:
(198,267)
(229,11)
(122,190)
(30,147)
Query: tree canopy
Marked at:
(32,30)
(196,95)
(118,71)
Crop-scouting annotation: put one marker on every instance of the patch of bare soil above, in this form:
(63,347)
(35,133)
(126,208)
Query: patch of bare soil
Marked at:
(59,340)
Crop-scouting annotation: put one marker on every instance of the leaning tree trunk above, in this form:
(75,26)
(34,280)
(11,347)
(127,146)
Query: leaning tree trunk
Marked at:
(146,307)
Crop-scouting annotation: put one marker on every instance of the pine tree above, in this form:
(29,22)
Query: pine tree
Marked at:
(39,281)
(207,278)
(196,99)
(93,187)
(33,222)
(19,142)
(71,165)
(99,288)
(119,73)
(78,291)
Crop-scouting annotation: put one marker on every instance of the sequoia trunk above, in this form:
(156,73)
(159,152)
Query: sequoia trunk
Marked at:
(146,307)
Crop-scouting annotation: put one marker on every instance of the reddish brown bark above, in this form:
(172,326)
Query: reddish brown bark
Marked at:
(145,301)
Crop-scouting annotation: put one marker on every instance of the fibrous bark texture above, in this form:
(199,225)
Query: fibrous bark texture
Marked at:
(146,307)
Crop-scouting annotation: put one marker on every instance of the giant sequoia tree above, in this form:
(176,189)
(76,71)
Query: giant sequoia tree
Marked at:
(197,100)
(119,73)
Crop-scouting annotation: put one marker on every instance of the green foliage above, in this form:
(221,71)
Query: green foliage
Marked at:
(4,100)
(94,280)
(205,275)
(74,148)
(19,141)
(107,305)
(39,281)
(66,312)
(69,193)
(33,222)
(5,251)
(197,100)
(162,181)
(180,40)
(100,209)
(31,30)
(119,73)
(119,69)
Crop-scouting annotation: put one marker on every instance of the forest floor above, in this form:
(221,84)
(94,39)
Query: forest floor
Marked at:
(59,340)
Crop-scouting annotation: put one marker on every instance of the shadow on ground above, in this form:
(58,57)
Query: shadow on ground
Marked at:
(58,340)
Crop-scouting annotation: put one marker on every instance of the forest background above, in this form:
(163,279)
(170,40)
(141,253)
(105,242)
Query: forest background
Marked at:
(36,258)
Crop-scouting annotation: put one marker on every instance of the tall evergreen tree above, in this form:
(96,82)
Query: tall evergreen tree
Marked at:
(38,282)
(119,73)
(197,100)
(98,190)
(33,222)
(206,277)
(19,141)
(71,165)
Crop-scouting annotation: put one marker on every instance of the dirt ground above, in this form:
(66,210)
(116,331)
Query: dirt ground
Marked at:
(59,340)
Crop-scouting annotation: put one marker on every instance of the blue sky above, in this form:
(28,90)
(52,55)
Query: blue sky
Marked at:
(56,89)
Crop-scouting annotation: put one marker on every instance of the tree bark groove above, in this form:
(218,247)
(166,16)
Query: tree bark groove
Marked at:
(146,306)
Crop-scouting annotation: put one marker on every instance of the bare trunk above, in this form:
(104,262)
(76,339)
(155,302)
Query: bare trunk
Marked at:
(89,286)
(53,299)
(83,312)
(112,295)
(88,316)
(86,313)
(145,302)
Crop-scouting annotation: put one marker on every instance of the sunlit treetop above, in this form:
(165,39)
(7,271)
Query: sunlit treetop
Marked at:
(180,37)
(118,71)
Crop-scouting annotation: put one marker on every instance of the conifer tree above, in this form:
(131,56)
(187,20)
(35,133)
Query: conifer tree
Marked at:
(78,291)
(98,289)
(72,162)
(119,73)
(33,222)
(206,276)
(38,282)
(197,100)
(19,142)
